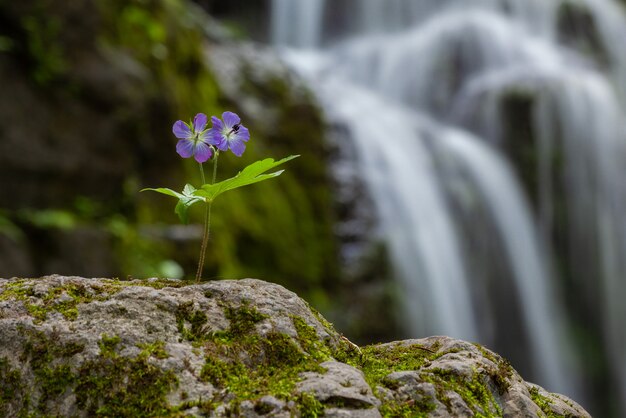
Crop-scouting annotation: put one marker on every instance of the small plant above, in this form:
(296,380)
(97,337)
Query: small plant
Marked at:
(204,144)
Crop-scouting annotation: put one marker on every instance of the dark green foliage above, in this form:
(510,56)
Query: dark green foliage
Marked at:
(47,57)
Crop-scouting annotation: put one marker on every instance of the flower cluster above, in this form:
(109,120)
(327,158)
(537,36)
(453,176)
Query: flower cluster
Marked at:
(198,141)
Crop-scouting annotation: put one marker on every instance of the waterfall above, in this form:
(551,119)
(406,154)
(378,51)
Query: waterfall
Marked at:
(297,23)
(427,90)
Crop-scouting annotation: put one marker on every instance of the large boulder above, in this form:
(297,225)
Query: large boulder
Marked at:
(71,346)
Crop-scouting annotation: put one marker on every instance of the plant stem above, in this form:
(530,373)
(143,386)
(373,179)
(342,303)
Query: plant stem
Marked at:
(207,218)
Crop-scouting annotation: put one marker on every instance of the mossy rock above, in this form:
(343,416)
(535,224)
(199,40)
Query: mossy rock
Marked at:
(71,346)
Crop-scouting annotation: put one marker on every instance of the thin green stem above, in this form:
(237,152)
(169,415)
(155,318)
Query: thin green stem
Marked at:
(207,218)
(202,174)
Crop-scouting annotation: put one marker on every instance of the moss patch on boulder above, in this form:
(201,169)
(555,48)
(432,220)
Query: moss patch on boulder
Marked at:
(231,348)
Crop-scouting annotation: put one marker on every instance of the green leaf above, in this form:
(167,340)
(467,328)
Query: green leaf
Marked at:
(185,200)
(249,175)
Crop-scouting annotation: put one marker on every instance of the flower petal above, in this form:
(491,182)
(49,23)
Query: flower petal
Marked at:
(243,134)
(223,145)
(203,152)
(199,122)
(216,138)
(181,130)
(230,119)
(205,136)
(217,123)
(184,148)
(237,146)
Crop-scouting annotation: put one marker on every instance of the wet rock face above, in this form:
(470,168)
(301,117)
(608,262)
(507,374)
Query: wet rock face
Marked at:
(71,346)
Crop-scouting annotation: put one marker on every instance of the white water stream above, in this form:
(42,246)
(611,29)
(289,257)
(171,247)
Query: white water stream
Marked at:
(420,85)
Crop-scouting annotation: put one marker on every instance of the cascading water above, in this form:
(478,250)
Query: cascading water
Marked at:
(430,91)
(298,24)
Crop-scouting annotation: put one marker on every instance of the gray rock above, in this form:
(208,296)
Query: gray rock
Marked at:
(71,346)
(340,384)
(559,404)
(351,413)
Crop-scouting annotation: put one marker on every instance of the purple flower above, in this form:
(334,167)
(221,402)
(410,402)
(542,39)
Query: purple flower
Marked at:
(194,140)
(229,134)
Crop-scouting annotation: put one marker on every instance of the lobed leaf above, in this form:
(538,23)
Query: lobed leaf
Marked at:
(249,175)
(185,200)
(253,173)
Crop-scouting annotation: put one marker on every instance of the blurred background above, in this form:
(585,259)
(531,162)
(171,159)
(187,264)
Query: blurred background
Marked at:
(462,173)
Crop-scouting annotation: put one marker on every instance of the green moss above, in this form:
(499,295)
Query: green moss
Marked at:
(12,388)
(309,406)
(107,386)
(253,366)
(502,375)
(309,341)
(377,362)
(108,344)
(48,362)
(74,294)
(475,392)
(544,404)
(114,386)
(191,322)
(250,366)
(155,349)
(54,382)
(406,409)
(243,319)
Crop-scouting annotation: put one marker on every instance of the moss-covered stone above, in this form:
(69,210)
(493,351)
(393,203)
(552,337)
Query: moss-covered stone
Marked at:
(233,355)
(12,387)
(115,386)
(186,314)
(243,320)
(309,340)
(250,365)
(377,362)
(65,298)
(53,375)
(110,385)
(504,372)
